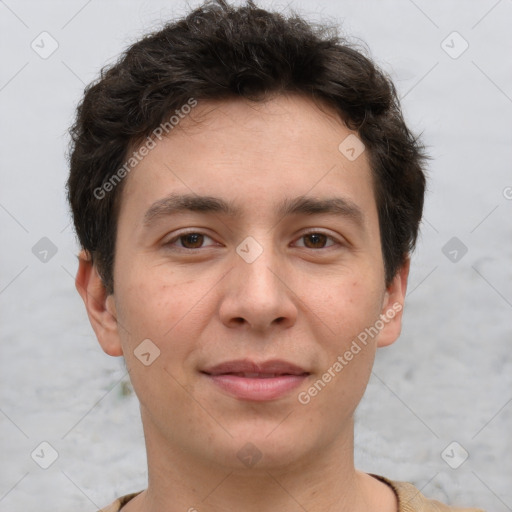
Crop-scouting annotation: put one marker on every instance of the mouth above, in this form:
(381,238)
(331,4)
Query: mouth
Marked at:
(249,380)
(256,375)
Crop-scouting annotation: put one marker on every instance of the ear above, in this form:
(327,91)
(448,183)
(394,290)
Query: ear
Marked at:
(100,306)
(393,305)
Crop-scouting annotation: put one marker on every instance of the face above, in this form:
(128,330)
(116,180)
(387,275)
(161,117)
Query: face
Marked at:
(249,287)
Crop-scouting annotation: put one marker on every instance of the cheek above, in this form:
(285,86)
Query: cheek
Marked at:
(145,312)
(345,308)
(172,313)
(164,315)
(347,314)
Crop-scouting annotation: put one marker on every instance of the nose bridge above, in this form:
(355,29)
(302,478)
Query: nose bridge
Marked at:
(255,291)
(256,258)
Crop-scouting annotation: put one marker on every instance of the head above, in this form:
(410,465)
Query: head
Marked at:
(243,186)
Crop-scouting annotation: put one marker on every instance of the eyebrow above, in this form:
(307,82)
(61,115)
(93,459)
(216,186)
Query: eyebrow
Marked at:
(302,205)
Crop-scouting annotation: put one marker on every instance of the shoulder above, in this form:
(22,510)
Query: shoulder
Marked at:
(120,502)
(410,499)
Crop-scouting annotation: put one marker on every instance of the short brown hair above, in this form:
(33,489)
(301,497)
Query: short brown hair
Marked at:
(219,52)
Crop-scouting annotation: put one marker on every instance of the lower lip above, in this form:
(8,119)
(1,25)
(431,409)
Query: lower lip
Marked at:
(246,388)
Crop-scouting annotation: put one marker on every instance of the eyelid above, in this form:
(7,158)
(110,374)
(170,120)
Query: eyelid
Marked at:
(319,231)
(189,231)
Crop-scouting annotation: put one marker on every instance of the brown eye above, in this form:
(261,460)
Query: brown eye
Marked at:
(317,240)
(191,240)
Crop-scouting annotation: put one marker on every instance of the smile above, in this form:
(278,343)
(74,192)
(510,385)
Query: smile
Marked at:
(248,380)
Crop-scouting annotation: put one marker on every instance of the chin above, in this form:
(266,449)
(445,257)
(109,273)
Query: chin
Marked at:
(262,445)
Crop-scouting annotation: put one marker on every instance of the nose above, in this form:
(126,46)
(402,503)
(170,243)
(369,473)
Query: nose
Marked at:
(259,295)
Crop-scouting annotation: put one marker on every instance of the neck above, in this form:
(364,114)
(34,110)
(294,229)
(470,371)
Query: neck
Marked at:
(322,481)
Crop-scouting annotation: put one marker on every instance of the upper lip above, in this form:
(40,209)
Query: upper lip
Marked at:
(274,366)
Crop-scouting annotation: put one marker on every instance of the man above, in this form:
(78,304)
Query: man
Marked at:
(246,195)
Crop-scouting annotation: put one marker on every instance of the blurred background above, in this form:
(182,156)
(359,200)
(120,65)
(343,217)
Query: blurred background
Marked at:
(438,408)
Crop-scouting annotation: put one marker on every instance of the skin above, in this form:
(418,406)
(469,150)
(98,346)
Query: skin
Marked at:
(303,300)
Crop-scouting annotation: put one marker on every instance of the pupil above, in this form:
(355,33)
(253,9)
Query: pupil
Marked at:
(317,238)
(194,239)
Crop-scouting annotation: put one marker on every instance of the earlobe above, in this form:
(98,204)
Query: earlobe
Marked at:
(99,305)
(393,305)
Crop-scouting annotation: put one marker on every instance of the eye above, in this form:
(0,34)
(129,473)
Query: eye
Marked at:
(188,241)
(316,240)
(195,240)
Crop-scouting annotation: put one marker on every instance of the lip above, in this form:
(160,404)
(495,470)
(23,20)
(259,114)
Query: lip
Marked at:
(256,381)
(273,366)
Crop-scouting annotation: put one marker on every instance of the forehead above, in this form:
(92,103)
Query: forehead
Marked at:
(268,152)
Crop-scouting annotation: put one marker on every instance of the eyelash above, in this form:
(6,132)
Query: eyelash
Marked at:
(170,243)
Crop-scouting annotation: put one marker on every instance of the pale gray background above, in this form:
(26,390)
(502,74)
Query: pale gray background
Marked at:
(447,379)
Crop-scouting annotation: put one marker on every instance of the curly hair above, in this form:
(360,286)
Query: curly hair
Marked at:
(219,51)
